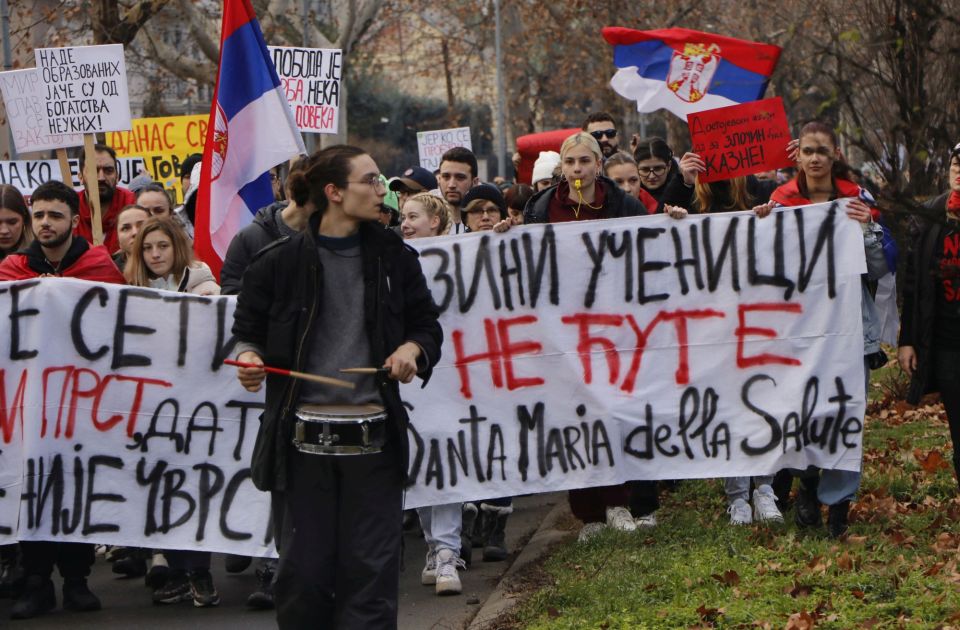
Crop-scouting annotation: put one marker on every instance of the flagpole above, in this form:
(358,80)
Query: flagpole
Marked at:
(501,100)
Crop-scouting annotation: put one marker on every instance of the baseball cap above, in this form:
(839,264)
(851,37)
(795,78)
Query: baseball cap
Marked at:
(416,178)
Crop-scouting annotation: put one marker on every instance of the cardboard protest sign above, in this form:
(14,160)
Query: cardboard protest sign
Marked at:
(26,175)
(23,99)
(575,354)
(433,144)
(84,88)
(163,143)
(741,139)
(311,81)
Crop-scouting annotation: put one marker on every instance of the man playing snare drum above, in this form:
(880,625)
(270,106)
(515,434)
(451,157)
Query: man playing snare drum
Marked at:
(343,293)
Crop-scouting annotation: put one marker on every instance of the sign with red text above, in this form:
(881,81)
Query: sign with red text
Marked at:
(433,144)
(163,143)
(311,80)
(577,354)
(741,139)
(27,113)
(84,88)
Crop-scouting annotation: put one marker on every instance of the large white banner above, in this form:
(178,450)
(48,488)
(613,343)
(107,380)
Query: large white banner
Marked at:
(26,175)
(574,355)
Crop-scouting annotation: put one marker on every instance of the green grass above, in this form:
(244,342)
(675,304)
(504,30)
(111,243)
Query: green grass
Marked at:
(898,568)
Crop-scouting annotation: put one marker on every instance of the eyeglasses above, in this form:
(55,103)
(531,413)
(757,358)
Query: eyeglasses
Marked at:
(647,171)
(600,133)
(372,180)
(476,212)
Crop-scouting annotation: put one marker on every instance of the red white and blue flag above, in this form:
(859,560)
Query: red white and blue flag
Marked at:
(686,71)
(251,130)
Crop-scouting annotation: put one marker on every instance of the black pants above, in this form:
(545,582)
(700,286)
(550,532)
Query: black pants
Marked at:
(946,369)
(340,553)
(72,559)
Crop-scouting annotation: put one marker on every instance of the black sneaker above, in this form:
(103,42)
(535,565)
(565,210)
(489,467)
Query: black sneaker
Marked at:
(132,566)
(202,590)
(837,523)
(176,589)
(262,598)
(38,597)
(159,572)
(236,564)
(12,577)
(807,509)
(78,597)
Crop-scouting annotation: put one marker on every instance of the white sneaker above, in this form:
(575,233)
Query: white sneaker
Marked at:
(448,582)
(647,521)
(765,505)
(620,518)
(740,513)
(589,531)
(428,577)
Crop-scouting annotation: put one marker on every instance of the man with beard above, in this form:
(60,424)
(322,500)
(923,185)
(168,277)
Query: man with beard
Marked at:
(458,174)
(112,197)
(600,125)
(56,252)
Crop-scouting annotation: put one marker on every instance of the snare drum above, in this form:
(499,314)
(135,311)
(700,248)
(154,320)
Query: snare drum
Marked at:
(340,429)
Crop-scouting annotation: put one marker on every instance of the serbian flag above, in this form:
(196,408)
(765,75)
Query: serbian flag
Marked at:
(686,71)
(251,130)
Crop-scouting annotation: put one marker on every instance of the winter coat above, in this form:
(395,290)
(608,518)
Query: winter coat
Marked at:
(196,279)
(618,204)
(264,230)
(275,312)
(81,261)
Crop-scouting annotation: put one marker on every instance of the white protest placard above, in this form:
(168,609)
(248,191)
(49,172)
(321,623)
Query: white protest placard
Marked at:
(84,88)
(23,99)
(26,175)
(433,144)
(311,81)
(575,355)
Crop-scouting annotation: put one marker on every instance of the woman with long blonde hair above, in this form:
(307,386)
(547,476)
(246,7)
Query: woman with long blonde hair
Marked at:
(162,259)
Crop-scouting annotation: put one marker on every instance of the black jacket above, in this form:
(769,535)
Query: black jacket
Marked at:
(920,288)
(617,203)
(246,243)
(277,307)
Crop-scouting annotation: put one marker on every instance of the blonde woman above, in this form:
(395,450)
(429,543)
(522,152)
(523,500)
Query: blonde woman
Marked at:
(162,259)
(424,214)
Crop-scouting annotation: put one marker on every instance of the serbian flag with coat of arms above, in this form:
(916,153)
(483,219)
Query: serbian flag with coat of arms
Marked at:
(686,71)
(251,130)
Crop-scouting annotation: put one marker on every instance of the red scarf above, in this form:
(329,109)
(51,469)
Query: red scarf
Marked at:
(953,203)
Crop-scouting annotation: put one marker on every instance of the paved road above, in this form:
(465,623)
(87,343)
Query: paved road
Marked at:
(127,602)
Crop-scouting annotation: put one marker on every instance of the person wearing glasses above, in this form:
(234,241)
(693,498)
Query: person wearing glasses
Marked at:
(344,292)
(485,209)
(600,125)
(113,198)
(660,173)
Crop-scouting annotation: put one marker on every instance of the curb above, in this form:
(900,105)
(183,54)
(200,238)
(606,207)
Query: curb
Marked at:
(501,600)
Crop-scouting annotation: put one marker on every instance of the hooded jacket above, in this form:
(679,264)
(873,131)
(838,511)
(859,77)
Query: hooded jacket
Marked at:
(264,230)
(81,261)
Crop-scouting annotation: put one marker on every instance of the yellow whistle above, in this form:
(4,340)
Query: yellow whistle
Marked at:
(577,184)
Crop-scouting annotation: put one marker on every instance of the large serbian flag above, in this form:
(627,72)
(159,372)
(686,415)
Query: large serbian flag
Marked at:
(251,130)
(686,71)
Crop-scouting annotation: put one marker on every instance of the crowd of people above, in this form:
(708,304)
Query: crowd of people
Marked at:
(323,274)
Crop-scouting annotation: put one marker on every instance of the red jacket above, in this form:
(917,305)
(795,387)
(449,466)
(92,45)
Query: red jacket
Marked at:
(108,217)
(81,261)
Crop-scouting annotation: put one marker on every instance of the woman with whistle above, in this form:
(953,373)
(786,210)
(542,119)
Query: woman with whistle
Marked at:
(342,293)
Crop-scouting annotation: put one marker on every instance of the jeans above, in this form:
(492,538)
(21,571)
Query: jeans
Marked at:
(441,525)
(739,487)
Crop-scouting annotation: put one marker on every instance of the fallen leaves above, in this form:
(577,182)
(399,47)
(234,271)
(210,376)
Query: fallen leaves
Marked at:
(727,578)
(800,621)
(931,462)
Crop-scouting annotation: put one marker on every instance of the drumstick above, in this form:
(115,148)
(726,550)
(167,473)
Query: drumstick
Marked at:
(324,380)
(364,370)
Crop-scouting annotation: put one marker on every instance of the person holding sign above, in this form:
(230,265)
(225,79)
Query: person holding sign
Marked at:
(930,332)
(583,195)
(822,177)
(57,253)
(342,293)
(112,197)
(14,217)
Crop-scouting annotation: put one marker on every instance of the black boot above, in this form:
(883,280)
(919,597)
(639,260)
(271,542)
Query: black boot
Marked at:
(77,596)
(837,519)
(807,507)
(495,548)
(37,598)
(262,598)
(11,573)
(469,523)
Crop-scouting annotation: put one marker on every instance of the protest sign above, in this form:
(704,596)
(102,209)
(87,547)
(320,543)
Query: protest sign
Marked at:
(741,139)
(26,175)
(576,354)
(23,99)
(311,81)
(163,143)
(433,144)
(84,88)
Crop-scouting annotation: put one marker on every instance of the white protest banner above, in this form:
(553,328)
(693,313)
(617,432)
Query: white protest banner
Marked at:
(85,88)
(576,354)
(311,81)
(23,99)
(433,144)
(26,175)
